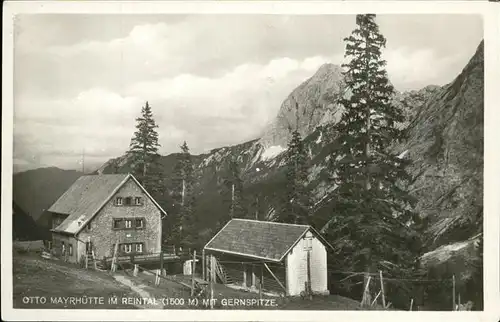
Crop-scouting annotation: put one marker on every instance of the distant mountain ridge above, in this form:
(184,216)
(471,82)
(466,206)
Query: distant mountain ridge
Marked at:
(24,227)
(35,190)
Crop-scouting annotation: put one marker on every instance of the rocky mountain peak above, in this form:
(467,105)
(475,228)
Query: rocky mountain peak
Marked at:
(325,71)
(312,103)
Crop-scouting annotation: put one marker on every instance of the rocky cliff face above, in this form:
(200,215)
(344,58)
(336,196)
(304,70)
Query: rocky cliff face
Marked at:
(446,147)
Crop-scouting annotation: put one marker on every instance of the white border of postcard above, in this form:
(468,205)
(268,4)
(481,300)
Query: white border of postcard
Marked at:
(491,17)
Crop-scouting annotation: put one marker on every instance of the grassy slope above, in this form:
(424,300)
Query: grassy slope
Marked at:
(35,276)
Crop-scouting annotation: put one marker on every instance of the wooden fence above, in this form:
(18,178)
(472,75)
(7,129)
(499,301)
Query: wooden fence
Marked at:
(169,254)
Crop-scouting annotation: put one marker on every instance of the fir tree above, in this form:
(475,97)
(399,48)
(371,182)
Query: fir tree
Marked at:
(184,173)
(255,209)
(232,194)
(143,152)
(373,219)
(236,185)
(297,205)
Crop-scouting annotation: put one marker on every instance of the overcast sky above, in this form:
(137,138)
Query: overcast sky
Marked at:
(80,80)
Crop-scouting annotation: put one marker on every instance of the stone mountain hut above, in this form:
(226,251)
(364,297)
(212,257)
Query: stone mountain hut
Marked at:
(99,211)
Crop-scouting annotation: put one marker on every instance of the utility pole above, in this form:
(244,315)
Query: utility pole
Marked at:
(83,160)
(232,201)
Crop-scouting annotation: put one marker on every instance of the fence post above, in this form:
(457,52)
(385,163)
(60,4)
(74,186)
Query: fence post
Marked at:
(161,262)
(453,296)
(260,290)
(253,276)
(382,288)
(212,295)
(203,263)
(212,268)
(212,280)
(136,270)
(207,268)
(262,276)
(244,276)
(193,267)
(365,291)
(194,262)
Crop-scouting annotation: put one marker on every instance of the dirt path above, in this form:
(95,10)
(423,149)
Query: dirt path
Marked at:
(139,289)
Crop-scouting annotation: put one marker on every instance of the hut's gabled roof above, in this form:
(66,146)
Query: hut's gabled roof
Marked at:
(264,240)
(86,197)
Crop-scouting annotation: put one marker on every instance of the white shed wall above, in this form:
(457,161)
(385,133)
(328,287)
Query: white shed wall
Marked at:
(319,269)
(296,270)
(297,267)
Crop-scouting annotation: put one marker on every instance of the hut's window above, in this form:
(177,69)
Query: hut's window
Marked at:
(138,247)
(139,223)
(128,201)
(117,223)
(119,201)
(121,223)
(70,249)
(138,201)
(127,248)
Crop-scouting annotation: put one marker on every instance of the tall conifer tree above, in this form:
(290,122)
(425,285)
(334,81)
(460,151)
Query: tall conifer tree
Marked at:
(184,173)
(297,205)
(143,152)
(373,218)
(231,192)
(236,185)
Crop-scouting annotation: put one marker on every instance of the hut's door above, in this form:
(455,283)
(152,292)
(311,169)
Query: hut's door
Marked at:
(88,247)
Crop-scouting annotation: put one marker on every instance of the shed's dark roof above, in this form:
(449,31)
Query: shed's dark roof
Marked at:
(257,239)
(86,197)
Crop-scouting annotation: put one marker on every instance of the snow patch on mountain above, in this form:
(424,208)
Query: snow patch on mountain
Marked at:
(320,137)
(402,155)
(322,191)
(314,172)
(445,252)
(272,152)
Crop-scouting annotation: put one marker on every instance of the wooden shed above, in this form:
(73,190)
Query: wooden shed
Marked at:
(277,257)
